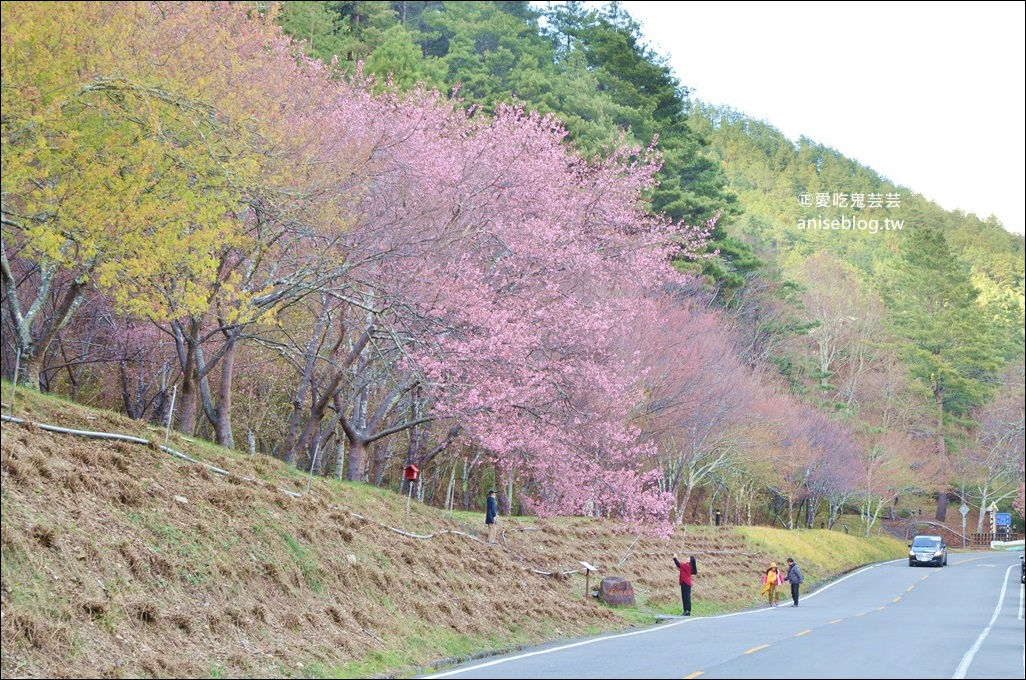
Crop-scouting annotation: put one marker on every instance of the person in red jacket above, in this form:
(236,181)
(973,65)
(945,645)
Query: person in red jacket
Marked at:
(687,569)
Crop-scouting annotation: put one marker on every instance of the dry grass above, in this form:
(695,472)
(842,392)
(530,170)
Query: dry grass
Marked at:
(119,560)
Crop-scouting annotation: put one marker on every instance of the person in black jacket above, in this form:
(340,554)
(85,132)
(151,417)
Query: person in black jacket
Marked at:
(794,577)
(490,514)
(687,571)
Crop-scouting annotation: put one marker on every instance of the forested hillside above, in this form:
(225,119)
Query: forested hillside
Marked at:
(915,313)
(499,244)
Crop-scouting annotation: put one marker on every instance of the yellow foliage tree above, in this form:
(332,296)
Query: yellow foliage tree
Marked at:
(135,136)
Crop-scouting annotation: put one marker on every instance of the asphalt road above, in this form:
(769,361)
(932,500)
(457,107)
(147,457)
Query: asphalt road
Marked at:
(887,620)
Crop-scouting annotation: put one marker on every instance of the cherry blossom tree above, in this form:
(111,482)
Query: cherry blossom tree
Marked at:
(483,277)
(697,396)
(809,448)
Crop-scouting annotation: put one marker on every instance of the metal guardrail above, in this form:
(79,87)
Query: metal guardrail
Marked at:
(992,537)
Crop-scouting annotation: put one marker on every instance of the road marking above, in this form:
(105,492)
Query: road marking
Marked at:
(755,649)
(967,659)
(677,621)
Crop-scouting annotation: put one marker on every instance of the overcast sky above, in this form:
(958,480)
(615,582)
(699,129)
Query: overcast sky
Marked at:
(929,95)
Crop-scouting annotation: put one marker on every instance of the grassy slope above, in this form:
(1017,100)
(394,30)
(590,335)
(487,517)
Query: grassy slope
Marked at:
(120,560)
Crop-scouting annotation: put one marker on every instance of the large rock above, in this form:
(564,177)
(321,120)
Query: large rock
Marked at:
(616,591)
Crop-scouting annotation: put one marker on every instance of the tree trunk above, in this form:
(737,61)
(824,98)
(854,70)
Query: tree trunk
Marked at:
(357,461)
(188,401)
(32,371)
(188,398)
(223,410)
(500,482)
(380,463)
(340,457)
(942,494)
(33,349)
(942,505)
(942,452)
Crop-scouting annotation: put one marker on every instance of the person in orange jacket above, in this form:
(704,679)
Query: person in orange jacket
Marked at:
(770,580)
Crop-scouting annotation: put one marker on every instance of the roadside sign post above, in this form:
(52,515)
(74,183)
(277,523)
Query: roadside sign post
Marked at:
(1003,523)
(965,511)
(587,574)
(410,474)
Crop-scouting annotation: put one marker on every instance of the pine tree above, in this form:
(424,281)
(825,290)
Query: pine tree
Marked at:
(952,348)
